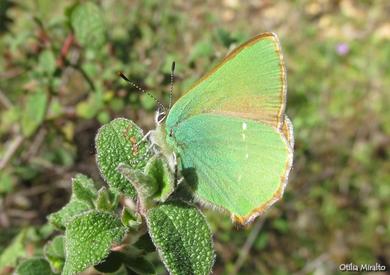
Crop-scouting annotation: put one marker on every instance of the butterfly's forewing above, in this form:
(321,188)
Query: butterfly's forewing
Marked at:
(233,163)
(230,132)
(249,83)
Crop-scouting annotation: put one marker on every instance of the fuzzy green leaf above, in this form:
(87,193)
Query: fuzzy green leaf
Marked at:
(158,169)
(116,143)
(88,24)
(130,219)
(47,62)
(6,182)
(88,239)
(103,200)
(69,211)
(145,186)
(90,107)
(35,266)
(202,49)
(84,189)
(147,102)
(182,238)
(9,256)
(107,200)
(55,253)
(33,112)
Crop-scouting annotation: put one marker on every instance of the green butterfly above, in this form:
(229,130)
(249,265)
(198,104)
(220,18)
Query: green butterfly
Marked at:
(233,141)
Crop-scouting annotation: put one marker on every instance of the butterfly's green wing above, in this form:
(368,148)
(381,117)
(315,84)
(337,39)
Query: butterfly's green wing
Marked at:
(249,83)
(203,128)
(233,163)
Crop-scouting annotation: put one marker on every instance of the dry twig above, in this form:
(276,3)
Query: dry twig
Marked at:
(5,101)
(244,251)
(11,151)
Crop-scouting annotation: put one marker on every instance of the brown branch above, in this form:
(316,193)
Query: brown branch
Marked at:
(65,49)
(11,73)
(5,101)
(243,254)
(36,144)
(11,151)
(43,36)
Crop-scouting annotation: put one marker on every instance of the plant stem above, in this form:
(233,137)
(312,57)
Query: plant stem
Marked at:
(11,151)
(5,101)
(65,49)
(243,254)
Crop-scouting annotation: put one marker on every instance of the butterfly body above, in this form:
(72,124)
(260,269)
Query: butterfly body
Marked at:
(233,141)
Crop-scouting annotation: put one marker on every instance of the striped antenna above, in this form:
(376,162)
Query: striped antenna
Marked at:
(172,80)
(141,90)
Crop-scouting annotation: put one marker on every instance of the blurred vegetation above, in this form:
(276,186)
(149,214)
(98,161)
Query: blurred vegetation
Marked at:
(58,84)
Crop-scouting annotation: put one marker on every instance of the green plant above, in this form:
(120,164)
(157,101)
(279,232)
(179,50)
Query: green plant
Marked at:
(335,208)
(112,228)
(100,227)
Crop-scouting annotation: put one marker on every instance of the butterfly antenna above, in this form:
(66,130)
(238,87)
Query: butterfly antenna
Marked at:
(172,81)
(141,90)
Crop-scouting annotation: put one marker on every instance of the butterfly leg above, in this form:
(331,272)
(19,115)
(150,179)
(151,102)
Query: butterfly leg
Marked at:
(148,137)
(176,171)
(145,137)
(153,148)
(179,181)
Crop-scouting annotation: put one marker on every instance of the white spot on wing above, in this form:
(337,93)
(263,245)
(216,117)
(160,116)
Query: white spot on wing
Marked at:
(244,127)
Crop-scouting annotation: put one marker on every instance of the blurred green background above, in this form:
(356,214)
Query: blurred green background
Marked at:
(58,86)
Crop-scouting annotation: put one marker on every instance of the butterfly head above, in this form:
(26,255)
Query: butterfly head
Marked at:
(160,115)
